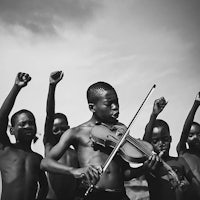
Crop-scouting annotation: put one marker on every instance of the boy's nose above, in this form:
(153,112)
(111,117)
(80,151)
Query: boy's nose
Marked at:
(195,136)
(115,106)
(28,126)
(160,142)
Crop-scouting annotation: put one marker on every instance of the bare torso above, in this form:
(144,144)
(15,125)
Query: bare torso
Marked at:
(112,178)
(20,173)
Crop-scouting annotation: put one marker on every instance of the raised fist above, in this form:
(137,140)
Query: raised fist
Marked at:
(198,97)
(159,105)
(22,79)
(55,77)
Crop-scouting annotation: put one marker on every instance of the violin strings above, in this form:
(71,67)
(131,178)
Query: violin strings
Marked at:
(140,146)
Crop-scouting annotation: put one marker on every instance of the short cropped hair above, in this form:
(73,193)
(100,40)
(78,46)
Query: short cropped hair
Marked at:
(195,124)
(61,116)
(160,122)
(96,89)
(14,116)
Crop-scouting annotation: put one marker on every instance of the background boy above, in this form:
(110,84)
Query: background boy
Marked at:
(19,165)
(56,124)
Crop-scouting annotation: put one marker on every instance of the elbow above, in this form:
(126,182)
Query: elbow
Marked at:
(178,148)
(44,164)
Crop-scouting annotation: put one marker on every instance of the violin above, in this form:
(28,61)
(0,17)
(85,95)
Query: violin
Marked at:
(131,150)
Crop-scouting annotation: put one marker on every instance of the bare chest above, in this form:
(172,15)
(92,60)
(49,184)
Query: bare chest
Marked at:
(17,164)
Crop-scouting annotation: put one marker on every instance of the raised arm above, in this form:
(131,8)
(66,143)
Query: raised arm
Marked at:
(48,141)
(21,81)
(188,123)
(158,106)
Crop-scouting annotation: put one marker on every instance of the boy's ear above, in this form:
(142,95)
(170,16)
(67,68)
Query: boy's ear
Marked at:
(92,107)
(170,140)
(11,130)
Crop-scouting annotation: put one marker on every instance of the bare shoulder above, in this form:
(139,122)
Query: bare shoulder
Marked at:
(38,155)
(35,155)
(74,135)
(120,127)
(82,128)
(82,133)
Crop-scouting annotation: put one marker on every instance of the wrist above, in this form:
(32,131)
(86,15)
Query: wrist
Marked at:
(52,84)
(74,173)
(154,114)
(17,87)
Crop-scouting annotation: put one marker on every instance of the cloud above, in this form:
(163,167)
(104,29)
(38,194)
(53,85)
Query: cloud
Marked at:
(46,16)
(180,15)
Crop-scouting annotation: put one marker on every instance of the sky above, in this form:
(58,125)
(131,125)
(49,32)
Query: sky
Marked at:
(131,44)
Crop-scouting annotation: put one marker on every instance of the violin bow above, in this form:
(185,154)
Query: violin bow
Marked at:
(120,142)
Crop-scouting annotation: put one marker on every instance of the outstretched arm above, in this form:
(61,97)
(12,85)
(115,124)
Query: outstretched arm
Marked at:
(21,81)
(50,163)
(188,123)
(48,141)
(158,106)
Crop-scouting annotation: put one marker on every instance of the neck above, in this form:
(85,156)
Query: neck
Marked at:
(23,146)
(95,120)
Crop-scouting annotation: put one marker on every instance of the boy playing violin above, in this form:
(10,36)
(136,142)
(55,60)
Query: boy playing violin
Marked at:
(163,185)
(103,103)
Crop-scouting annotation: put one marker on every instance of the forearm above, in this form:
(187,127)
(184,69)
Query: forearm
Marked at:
(5,111)
(50,109)
(9,102)
(187,126)
(149,127)
(190,118)
(53,166)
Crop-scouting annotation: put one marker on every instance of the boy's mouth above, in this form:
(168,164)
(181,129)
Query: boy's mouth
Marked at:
(115,115)
(29,133)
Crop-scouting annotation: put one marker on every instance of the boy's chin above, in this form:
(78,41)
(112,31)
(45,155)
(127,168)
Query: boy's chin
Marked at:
(112,121)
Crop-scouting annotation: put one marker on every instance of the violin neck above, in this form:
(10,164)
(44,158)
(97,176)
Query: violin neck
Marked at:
(139,146)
